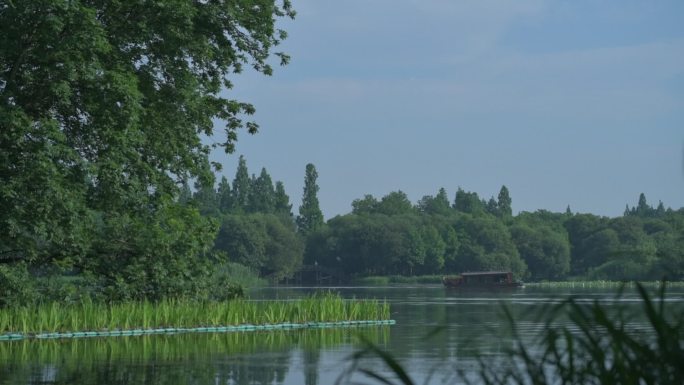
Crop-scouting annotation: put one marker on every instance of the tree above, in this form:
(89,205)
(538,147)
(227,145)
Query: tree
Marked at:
(263,242)
(468,202)
(224,196)
(366,205)
(486,244)
(643,208)
(282,201)
(185,194)
(206,199)
(262,196)
(438,204)
(545,250)
(504,203)
(103,105)
(310,215)
(395,203)
(241,186)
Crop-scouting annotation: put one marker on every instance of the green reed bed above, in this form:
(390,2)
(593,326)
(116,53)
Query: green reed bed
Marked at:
(91,316)
(398,279)
(602,284)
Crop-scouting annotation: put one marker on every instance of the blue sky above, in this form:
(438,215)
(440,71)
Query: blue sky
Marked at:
(576,103)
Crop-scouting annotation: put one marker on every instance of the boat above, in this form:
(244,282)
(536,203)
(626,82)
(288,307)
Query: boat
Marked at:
(483,279)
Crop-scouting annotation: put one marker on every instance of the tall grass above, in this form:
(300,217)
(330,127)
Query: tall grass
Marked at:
(90,316)
(397,279)
(600,284)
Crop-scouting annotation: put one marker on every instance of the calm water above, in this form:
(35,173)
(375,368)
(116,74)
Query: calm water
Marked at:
(471,322)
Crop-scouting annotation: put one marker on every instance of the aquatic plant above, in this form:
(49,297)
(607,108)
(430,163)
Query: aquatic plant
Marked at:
(601,284)
(398,279)
(91,316)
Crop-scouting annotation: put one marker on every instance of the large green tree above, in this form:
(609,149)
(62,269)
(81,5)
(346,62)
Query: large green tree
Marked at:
(263,242)
(102,109)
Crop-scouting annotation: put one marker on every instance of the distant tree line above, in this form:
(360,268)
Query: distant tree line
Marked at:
(257,227)
(437,235)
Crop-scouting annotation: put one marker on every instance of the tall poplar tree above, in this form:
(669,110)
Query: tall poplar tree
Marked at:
(310,215)
(504,203)
(206,199)
(224,195)
(241,186)
(262,196)
(282,200)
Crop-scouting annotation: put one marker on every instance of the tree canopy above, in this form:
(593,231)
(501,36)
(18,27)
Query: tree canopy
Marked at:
(103,105)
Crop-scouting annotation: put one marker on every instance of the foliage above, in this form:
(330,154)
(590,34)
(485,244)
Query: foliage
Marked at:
(310,215)
(544,248)
(241,187)
(16,287)
(262,196)
(389,236)
(102,108)
(166,253)
(264,242)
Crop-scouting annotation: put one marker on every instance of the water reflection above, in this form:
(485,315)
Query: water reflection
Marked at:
(193,358)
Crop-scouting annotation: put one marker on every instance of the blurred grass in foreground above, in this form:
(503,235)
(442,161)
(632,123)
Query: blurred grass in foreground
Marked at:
(579,343)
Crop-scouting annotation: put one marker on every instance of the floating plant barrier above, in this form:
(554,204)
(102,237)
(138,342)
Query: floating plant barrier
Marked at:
(217,329)
(89,319)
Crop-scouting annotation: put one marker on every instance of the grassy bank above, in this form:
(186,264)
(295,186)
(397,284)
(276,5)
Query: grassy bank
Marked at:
(90,316)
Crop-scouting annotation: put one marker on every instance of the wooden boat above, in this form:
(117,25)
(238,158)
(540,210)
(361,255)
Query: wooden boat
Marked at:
(483,279)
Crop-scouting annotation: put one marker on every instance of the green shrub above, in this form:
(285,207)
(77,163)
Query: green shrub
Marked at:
(16,285)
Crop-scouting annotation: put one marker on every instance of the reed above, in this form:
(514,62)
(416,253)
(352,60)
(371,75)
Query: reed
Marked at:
(600,284)
(91,316)
(398,279)
(580,343)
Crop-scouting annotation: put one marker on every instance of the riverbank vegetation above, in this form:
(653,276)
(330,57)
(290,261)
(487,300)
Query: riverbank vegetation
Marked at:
(96,316)
(397,279)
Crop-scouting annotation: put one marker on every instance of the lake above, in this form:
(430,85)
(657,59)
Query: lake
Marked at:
(470,322)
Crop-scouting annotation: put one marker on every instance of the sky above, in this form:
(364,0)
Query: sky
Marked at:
(567,103)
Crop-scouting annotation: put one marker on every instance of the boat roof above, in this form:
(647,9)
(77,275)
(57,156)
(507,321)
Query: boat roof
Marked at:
(486,273)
